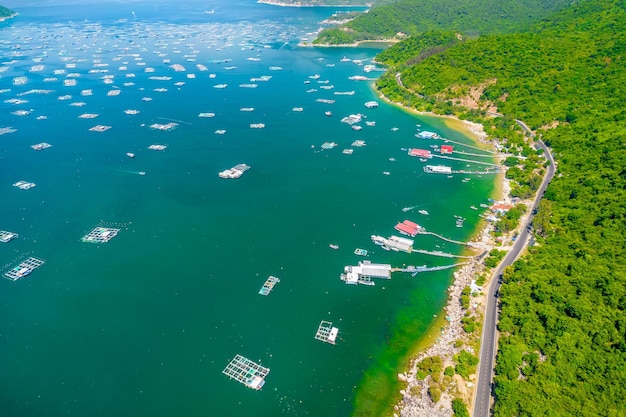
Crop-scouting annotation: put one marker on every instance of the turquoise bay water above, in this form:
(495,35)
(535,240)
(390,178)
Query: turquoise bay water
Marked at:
(145,323)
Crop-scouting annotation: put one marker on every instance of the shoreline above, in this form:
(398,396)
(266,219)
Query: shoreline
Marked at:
(356,44)
(446,329)
(5,18)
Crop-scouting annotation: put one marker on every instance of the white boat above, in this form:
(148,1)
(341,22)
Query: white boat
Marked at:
(378,240)
(333,246)
(328,113)
(130,154)
(424,212)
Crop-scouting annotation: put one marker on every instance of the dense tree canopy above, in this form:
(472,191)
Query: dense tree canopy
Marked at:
(4,12)
(413,17)
(563,321)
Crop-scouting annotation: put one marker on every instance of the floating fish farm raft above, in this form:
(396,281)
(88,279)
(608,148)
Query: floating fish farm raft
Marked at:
(249,373)
(23,269)
(326,332)
(269,285)
(7,236)
(100,235)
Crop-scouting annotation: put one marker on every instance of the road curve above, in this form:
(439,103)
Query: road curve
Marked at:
(482,399)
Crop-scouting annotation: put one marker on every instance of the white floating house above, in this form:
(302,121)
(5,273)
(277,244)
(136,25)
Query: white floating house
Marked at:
(364,272)
(398,243)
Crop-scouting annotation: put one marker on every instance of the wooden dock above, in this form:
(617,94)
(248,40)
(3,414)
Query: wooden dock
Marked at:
(249,373)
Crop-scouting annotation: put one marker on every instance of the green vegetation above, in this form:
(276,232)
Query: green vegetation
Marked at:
(4,12)
(459,408)
(429,366)
(427,44)
(494,258)
(414,17)
(563,344)
(465,364)
(434,393)
(322,2)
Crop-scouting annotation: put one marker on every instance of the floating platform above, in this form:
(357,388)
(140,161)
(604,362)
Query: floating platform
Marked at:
(7,236)
(235,172)
(100,235)
(164,127)
(100,128)
(24,185)
(364,272)
(243,370)
(269,285)
(326,332)
(23,269)
(41,146)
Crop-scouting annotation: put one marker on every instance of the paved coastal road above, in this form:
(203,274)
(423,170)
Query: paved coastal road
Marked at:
(482,401)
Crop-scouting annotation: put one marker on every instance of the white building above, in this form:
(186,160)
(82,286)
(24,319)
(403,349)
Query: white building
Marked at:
(364,272)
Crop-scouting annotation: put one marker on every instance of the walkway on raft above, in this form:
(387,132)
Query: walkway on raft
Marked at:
(442,254)
(457,242)
(466,160)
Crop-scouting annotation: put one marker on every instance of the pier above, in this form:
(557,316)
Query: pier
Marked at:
(414,270)
(466,160)
(23,269)
(447,239)
(243,370)
(442,254)
(442,169)
(462,144)
(326,332)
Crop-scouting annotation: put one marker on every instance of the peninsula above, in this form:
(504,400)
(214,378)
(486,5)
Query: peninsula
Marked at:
(6,13)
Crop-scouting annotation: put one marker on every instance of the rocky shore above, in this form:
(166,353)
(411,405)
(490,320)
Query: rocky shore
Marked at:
(416,401)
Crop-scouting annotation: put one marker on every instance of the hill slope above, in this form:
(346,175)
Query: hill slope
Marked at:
(563,345)
(4,12)
(413,17)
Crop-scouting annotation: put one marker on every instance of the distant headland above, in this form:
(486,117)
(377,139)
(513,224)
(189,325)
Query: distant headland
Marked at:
(6,13)
(316,3)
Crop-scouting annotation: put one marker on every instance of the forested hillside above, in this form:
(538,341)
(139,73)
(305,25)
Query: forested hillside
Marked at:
(562,350)
(4,12)
(413,17)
